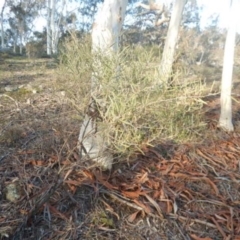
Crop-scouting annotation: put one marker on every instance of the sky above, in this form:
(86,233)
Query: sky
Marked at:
(210,7)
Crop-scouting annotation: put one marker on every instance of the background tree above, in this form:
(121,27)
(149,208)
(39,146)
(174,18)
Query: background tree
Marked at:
(171,41)
(9,36)
(54,29)
(48,5)
(191,15)
(58,19)
(22,15)
(13,32)
(161,12)
(2,30)
(225,120)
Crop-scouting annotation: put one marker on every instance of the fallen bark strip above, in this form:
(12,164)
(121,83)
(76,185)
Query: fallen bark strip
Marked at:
(171,215)
(175,217)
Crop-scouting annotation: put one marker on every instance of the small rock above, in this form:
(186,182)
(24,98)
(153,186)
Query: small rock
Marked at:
(13,192)
(10,88)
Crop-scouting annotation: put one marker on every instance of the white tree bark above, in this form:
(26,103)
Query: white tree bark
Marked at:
(21,34)
(54,18)
(105,39)
(165,68)
(15,43)
(225,120)
(49,49)
(57,25)
(2,30)
(53,27)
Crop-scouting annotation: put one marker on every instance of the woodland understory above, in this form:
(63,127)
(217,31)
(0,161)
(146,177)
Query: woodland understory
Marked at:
(172,190)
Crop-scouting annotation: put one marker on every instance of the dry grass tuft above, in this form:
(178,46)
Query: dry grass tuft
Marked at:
(135,108)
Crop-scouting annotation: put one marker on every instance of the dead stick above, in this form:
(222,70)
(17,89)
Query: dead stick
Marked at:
(38,205)
(174,216)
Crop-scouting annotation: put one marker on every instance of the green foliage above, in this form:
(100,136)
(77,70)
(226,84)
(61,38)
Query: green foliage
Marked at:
(136,109)
(12,136)
(74,72)
(34,49)
(102,219)
(19,94)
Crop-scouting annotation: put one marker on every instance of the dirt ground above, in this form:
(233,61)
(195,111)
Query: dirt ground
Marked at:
(171,191)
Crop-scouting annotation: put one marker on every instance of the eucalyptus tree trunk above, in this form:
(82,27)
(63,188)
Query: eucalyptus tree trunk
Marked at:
(53,27)
(21,35)
(105,37)
(15,43)
(165,68)
(49,49)
(58,21)
(225,120)
(2,30)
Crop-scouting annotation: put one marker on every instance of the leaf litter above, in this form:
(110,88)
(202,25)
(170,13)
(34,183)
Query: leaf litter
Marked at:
(193,192)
